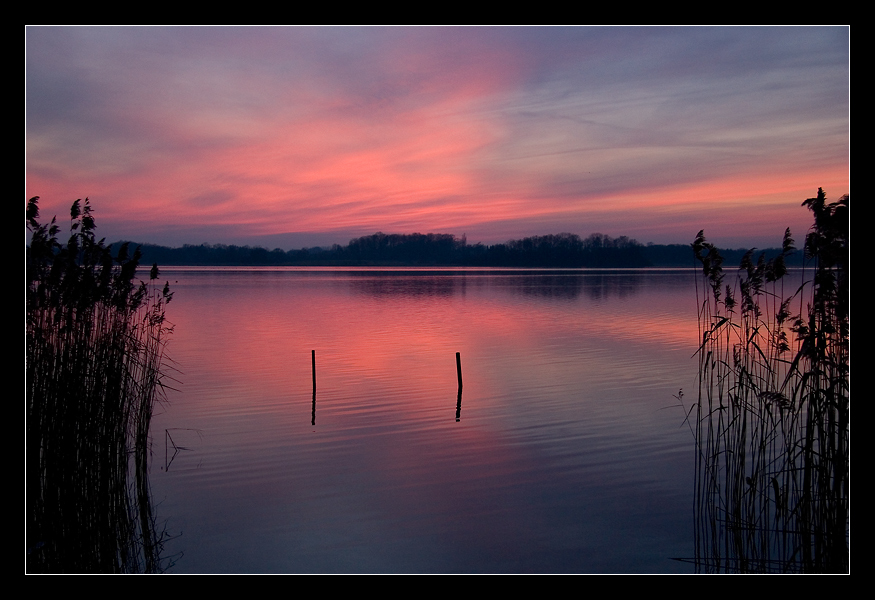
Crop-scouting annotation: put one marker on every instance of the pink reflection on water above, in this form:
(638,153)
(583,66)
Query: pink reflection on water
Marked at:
(562,394)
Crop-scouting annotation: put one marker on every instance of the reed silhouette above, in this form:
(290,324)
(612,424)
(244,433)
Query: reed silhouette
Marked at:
(771,420)
(94,349)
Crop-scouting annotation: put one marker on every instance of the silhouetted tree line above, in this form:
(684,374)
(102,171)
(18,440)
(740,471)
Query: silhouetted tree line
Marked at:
(442,249)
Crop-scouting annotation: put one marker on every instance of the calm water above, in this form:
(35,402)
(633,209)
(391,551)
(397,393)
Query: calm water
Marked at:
(567,453)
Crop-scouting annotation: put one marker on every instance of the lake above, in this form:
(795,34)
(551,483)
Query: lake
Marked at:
(567,451)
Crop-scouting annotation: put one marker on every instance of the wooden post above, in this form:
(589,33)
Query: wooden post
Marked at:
(459,369)
(313,411)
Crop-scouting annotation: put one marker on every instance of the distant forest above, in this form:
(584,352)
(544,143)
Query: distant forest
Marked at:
(564,250)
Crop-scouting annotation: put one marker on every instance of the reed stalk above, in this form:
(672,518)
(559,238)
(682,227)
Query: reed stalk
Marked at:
(773,407)
(95,343)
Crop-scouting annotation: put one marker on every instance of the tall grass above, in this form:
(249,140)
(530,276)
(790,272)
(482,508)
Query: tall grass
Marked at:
(95,341)
(772,416)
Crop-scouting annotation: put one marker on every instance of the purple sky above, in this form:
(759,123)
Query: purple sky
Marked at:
(298,136)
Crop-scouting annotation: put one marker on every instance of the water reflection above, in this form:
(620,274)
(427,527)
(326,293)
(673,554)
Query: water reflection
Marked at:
(107,528)
(558,284)
(566,460)
(409,285)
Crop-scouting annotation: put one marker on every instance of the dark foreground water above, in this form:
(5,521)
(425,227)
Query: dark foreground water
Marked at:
(567,452)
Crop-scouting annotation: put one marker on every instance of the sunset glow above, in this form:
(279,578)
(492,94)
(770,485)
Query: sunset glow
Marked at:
(301,136)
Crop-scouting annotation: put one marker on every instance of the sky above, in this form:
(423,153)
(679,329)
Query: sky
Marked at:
(296,137)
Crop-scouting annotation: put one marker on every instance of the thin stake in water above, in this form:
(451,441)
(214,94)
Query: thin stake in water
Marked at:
(459,369)
(313,415)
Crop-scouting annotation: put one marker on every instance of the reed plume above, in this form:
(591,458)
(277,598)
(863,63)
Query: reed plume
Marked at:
(95,342)
(772,416)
